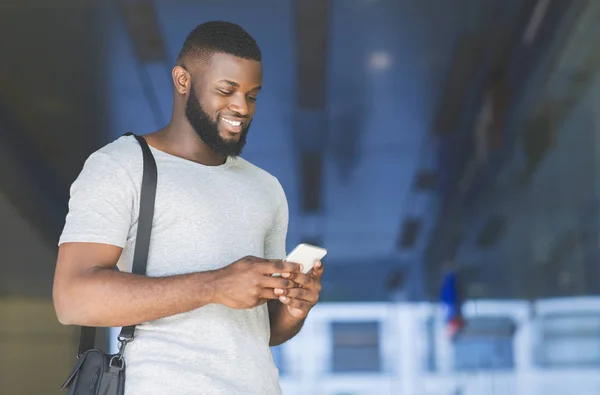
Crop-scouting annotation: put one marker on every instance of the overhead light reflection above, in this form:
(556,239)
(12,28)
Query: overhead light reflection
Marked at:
(380,60)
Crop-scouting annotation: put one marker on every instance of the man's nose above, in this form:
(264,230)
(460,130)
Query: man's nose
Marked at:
(239,104)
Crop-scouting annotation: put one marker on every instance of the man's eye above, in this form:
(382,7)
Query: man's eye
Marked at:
(253,98)
(225,93)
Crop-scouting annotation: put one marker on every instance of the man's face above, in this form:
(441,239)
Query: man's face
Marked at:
(222,102)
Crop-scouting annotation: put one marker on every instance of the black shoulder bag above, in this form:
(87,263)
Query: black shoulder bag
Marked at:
(97,372)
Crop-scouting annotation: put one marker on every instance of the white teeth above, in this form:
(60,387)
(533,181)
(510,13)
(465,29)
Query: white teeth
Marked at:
(233,123)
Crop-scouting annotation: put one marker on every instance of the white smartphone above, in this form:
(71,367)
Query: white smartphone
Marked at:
(306,255)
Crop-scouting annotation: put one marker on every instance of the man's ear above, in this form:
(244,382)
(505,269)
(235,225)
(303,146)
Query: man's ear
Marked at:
(181,80)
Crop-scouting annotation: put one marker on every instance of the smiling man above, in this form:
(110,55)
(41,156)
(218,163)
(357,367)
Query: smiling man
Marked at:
(209,307)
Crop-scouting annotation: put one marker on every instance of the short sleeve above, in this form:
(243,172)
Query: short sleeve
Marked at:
(100,204)
(275,241)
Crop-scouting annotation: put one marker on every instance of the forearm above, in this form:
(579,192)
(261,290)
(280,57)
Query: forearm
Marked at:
(284,326)
(106,297)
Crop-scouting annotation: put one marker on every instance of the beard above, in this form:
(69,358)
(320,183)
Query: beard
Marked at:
(208,130)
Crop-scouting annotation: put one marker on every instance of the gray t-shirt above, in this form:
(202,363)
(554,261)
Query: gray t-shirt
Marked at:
(206,217)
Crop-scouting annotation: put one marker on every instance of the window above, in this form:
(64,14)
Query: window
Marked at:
(569,340)
(486,343)
(356,347)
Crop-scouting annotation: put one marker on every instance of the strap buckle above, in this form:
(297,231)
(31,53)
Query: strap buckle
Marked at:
(117,360)
(123,342)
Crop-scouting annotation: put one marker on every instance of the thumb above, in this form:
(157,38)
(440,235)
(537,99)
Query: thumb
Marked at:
(317,269)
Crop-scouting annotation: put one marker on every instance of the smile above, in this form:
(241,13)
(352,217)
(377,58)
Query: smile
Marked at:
(232,123)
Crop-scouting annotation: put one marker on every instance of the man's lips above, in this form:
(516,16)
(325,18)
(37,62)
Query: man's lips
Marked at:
(232,121)
(232,124)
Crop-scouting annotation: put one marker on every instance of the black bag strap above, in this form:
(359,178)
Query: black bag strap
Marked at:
(142,244)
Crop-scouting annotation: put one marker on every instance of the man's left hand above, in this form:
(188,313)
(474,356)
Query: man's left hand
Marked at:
(301,299)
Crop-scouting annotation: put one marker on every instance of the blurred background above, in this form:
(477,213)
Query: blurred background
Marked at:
(446,152)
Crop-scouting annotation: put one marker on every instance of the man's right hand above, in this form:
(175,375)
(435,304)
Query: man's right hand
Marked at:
(248,282)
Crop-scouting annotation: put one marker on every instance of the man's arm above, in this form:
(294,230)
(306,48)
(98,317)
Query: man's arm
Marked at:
(288,314)
(88,291)
(284,326)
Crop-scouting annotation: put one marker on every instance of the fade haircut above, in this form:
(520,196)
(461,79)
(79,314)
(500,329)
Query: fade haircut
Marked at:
(219,37)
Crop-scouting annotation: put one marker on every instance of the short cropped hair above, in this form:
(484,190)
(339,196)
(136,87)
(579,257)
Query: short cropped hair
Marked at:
(219,37)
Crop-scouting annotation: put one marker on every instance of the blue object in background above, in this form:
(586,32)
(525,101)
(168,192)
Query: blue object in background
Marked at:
(450,297)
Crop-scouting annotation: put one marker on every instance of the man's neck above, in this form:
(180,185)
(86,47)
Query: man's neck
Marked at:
(184,142)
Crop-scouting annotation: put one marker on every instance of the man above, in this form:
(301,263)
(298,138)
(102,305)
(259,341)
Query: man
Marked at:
(209,308)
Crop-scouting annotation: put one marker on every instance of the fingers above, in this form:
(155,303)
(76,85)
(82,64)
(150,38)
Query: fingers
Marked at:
(267,293)
(296,303)
(304,280)
(279,266)
(303,294)
(277,283)
(310,279)
(317,270)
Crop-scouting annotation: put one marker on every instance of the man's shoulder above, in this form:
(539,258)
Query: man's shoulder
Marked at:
(121,149)
(257,174)
(123,152)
